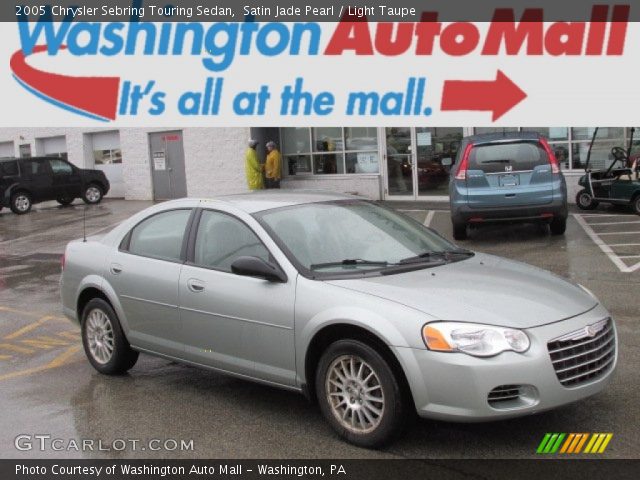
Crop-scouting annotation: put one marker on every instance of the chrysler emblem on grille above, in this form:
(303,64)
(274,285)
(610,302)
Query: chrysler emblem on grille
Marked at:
(588,331)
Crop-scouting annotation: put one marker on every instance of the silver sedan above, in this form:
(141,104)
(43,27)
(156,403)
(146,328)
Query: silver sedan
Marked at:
(353,304)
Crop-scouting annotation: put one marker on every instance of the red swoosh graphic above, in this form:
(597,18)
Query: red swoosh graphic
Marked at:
(95,95)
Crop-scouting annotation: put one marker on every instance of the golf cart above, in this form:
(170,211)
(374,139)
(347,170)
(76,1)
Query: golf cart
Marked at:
(617,184)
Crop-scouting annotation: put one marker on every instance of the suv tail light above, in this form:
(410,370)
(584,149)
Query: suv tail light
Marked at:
(553,161)
(62,261)
(461,174)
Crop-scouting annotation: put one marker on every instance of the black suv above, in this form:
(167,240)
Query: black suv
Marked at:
(25,181)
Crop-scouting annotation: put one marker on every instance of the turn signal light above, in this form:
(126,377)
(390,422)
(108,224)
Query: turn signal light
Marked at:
(435,340)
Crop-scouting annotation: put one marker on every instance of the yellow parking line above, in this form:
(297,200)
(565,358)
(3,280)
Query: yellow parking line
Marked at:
(31,314)
(28,328)
(60,360)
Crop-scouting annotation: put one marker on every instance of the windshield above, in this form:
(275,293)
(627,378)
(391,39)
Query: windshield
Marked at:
(343,237)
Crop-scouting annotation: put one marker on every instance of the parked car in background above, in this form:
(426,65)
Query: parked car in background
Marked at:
(508,177)
(364,309)
(26,181)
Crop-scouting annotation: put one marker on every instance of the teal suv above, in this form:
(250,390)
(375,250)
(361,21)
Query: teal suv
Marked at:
(507,177)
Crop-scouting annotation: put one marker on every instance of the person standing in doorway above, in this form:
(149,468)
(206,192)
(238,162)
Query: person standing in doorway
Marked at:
(253,168)
(273,166)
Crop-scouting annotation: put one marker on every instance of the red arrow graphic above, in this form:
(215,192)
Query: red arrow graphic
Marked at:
(498,96)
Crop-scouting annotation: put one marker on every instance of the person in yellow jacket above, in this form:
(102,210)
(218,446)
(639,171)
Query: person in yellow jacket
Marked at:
(252,167)
(273,166)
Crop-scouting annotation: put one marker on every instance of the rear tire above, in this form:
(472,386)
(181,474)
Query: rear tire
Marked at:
(21,203)
(92,195)
(104,342)
(585,201)
(558,225)
(64,201)
(459,231)
(359,394)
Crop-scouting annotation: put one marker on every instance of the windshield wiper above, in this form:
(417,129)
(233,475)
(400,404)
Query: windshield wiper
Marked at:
(446,254)
(349,262)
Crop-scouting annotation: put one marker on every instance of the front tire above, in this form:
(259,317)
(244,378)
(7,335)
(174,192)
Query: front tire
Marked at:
(92,195)
(359,394)
(21,203)
(585,201)
(103,340)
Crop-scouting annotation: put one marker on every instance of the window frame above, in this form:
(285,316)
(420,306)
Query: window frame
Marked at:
(193,235)
(125,244)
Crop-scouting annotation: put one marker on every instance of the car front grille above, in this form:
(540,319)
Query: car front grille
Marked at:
(584,355)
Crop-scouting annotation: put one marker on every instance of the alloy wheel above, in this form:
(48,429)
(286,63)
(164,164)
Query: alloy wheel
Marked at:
(100,336)
(22,203)
(93,194)
(354,393)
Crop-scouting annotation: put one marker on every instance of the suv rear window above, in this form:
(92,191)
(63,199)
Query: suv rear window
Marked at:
(8,169)
(494,157)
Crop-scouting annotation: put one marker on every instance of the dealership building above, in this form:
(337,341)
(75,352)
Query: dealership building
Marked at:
(392,163)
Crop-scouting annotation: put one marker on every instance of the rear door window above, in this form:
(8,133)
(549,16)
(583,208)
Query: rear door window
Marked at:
(504,157)
(160,236)
(9,169)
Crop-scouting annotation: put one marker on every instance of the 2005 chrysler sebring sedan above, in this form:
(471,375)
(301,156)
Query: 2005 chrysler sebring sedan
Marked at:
(355,305)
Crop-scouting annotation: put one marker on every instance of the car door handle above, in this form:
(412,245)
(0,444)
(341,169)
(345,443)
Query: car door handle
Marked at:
(196,286)
(115,268)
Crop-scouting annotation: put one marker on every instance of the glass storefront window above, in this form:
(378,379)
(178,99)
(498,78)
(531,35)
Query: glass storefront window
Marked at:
(553,134)
(479,130)
(331,150)
(358,138)
(295,140)
(601,157)
(585,133)
(433,145)
(327,139)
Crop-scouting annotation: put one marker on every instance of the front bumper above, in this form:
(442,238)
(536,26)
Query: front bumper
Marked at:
(456,386)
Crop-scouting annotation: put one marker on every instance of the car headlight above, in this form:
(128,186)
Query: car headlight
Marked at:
(473,339)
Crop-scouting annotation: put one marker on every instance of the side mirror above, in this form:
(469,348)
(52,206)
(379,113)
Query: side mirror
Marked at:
(257,267)
(447,162)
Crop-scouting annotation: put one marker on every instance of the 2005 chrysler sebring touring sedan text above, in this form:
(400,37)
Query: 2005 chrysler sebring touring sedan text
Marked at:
(357,306)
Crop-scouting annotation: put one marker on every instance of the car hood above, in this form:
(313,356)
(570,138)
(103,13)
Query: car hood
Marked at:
(483,289)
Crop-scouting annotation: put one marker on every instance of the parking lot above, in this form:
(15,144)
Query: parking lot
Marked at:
(48,387)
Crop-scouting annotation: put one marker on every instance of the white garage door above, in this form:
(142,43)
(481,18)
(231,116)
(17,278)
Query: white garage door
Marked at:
(54,146)
(7,150)
(108,158)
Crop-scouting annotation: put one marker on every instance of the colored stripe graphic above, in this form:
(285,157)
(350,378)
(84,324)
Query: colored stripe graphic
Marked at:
(93,97)
(573,443)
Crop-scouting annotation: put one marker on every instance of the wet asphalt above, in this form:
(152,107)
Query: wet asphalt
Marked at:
(47,386)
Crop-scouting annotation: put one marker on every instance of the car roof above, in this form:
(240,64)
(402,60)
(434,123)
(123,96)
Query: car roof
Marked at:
(259,201)
(483,138)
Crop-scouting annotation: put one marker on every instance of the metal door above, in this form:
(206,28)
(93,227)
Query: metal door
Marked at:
(167,165)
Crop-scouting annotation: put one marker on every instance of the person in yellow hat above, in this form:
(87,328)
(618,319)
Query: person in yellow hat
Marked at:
(253,168)
(273,166)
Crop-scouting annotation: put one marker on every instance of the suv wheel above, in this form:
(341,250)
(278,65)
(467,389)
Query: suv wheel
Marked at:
(359,394)
(21,203)
(104,343)
(65,200)
(459,231)
(92,194)
(585,201)
(558,225)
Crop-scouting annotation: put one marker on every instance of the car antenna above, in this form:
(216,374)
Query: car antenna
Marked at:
(84,224)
